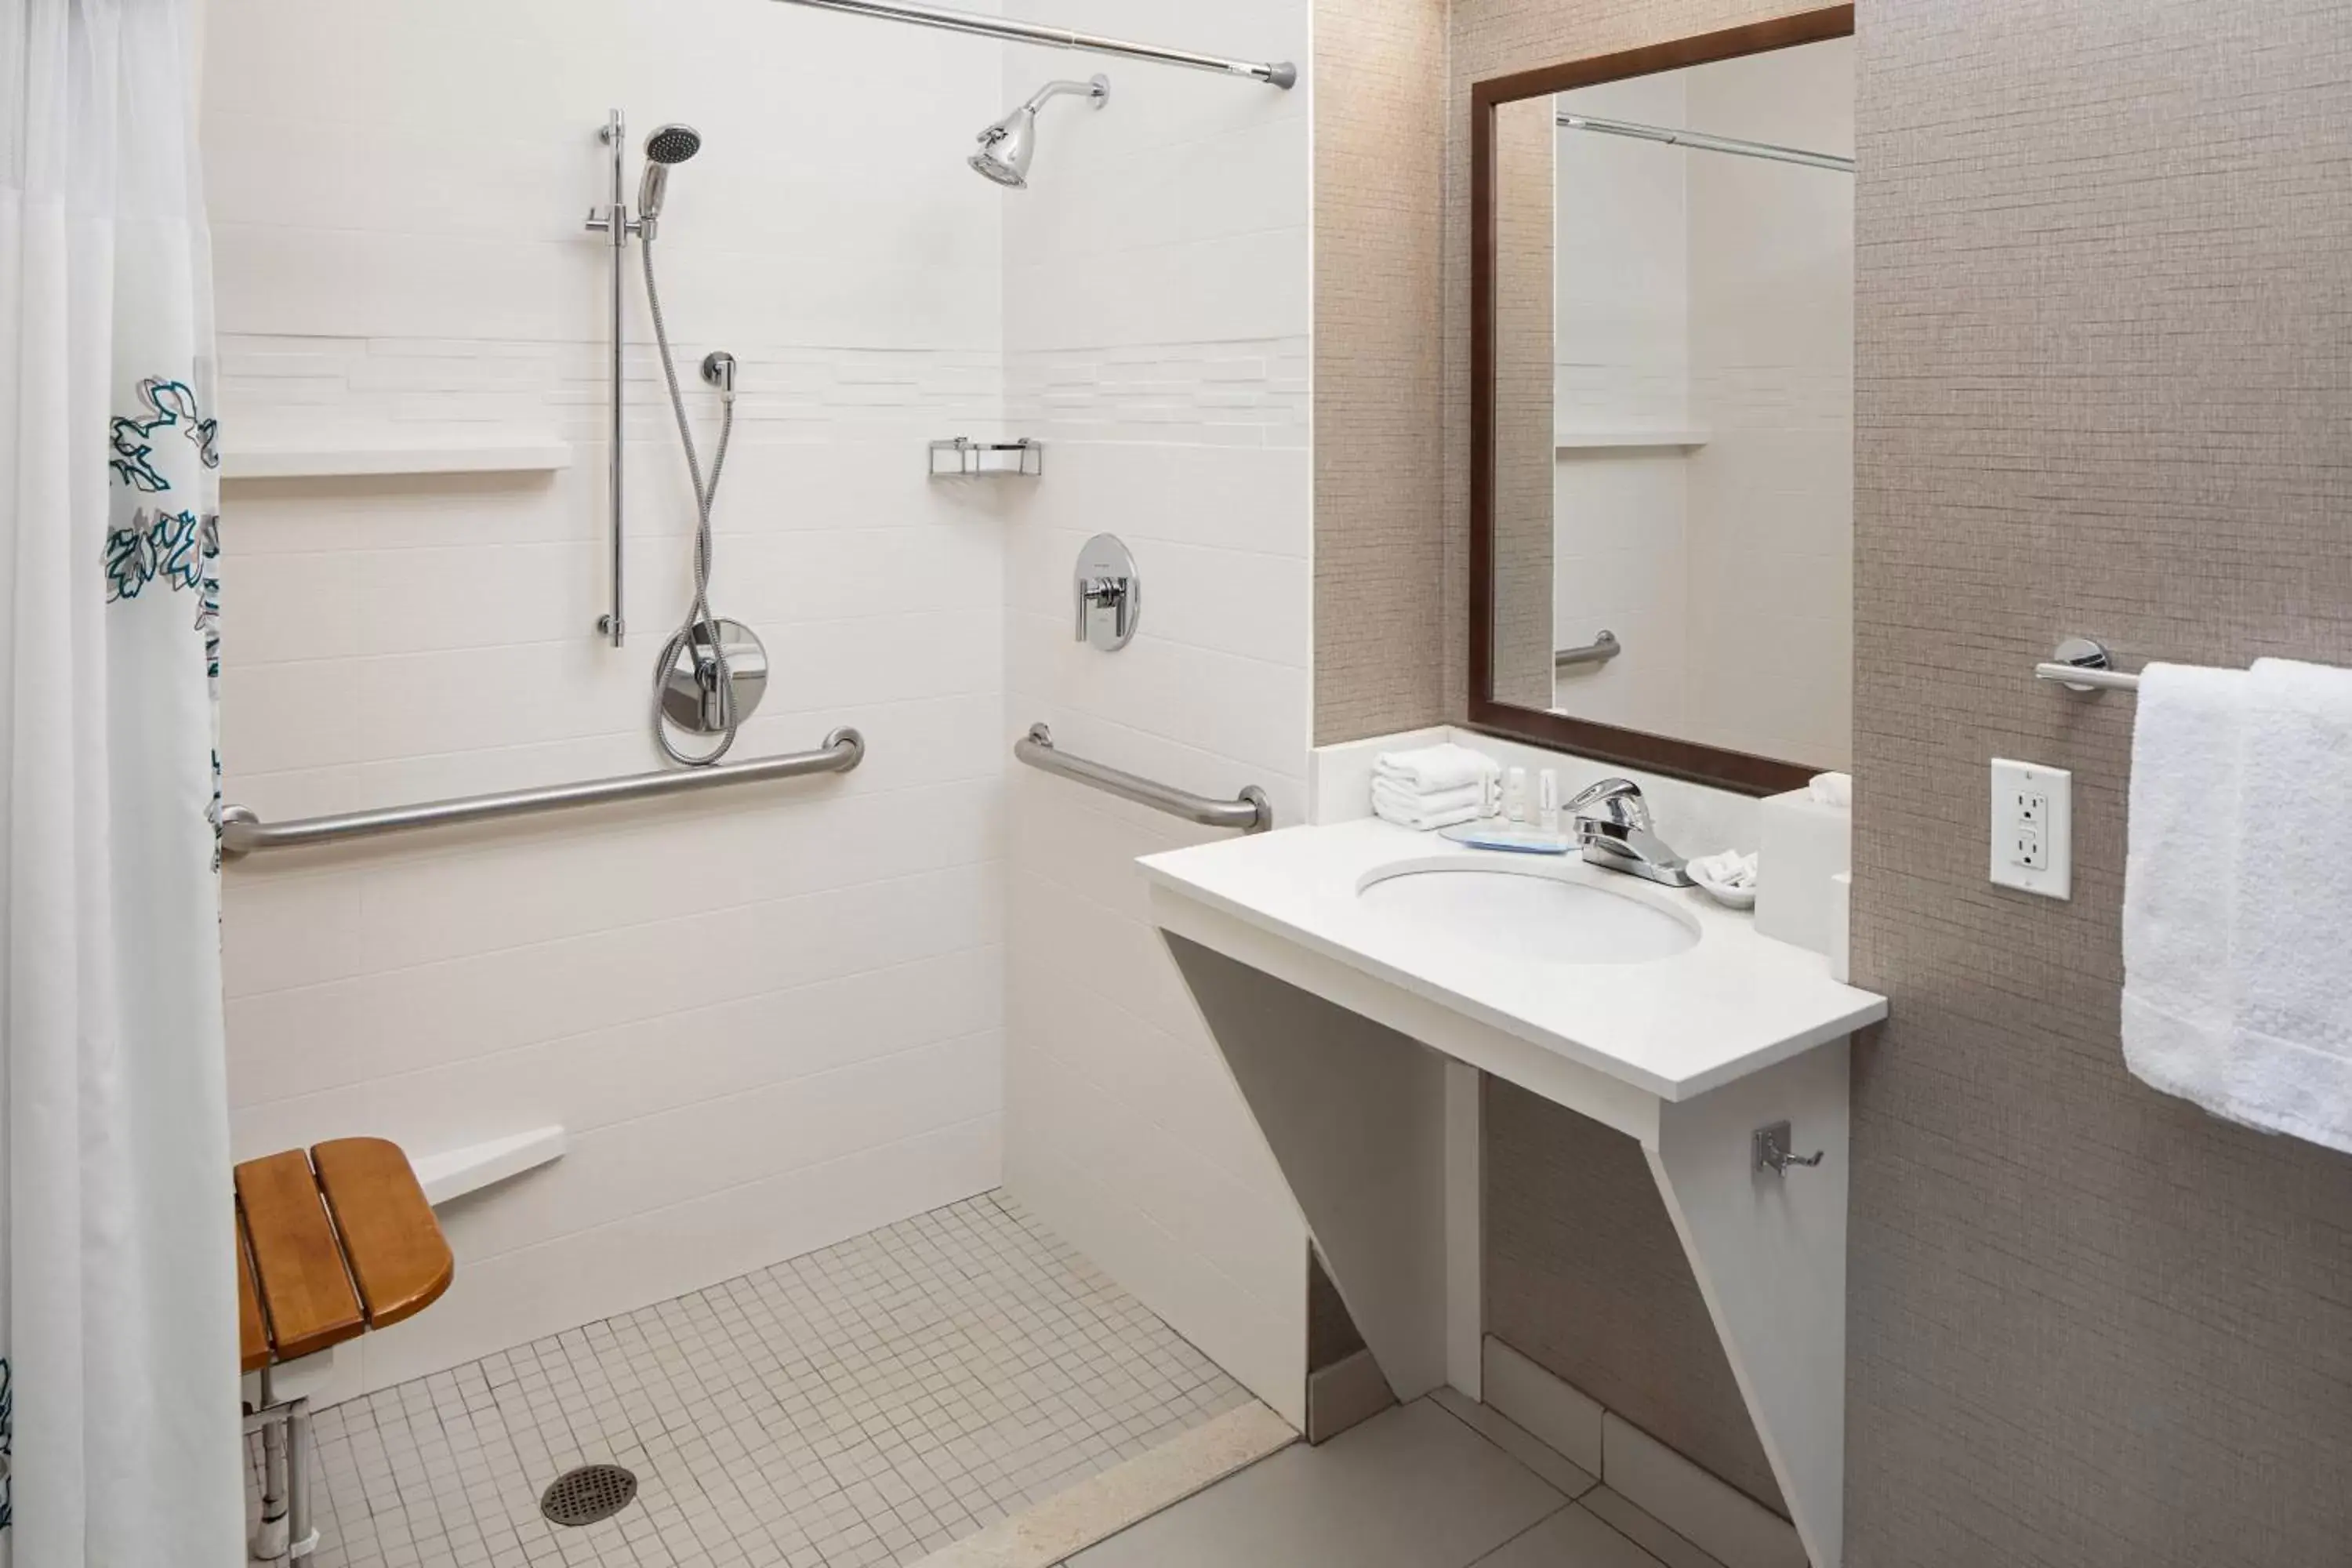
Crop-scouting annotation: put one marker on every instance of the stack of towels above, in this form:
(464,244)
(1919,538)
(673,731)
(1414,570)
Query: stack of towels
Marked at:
(2237,909)
(1436,786)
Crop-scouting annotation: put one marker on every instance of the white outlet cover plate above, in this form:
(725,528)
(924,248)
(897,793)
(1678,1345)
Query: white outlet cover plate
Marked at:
(2034,828)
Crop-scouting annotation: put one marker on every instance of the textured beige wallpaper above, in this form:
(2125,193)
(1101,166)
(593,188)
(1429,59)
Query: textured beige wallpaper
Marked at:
(2104,384)
(1526,186)
(1380,141)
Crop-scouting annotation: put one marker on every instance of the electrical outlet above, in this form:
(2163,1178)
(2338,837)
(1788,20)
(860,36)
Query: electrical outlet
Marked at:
(2034,828)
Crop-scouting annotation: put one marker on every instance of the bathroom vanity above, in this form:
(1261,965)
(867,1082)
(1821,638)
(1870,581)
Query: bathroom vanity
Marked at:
(1359,977)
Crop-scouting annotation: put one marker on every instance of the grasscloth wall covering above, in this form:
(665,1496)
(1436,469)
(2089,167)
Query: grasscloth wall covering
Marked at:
(1380,141)
(2105,341)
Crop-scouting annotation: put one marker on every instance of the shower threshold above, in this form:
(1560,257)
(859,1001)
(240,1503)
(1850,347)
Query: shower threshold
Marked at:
(876,1402)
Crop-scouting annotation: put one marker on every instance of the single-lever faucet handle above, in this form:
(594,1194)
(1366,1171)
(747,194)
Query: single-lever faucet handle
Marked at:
(1618,799)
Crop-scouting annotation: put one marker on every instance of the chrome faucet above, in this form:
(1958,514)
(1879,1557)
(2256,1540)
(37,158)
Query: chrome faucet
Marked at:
(1612,824)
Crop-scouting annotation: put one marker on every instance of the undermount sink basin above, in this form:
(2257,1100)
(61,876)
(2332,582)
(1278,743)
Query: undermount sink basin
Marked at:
(1543,912)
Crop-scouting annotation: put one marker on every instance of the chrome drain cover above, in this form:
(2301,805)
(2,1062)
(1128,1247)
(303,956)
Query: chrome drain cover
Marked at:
(588,1494)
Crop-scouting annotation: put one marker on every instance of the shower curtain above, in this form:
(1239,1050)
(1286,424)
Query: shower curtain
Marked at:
(118,1338)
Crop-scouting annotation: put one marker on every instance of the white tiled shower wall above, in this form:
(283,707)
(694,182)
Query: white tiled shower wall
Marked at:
(780,1018)
(1157,324)
(770,1021)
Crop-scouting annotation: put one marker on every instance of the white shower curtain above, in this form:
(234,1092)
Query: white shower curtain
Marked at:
(117,1295)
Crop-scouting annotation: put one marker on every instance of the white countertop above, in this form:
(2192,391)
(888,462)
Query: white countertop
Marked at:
(1673,1028)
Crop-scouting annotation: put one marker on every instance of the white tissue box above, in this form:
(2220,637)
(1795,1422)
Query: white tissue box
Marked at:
(1804,845)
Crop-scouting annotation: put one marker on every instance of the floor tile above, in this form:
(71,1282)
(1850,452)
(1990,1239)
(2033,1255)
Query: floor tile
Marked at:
(866,1403)
(1413,1488)
(1644,1530)
(1569,1539)
(1519,1442)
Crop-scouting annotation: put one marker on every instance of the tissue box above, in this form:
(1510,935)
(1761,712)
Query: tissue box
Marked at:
(1803,845)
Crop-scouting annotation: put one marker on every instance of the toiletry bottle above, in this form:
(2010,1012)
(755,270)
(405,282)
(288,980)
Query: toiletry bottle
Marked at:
(1548,801)
(1515,795)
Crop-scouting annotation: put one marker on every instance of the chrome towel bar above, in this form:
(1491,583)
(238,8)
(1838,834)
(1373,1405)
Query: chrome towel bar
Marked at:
(1599,650)
(1251,812)
(2082,665)
(243,833)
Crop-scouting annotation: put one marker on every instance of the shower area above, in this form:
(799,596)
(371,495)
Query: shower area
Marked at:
(822,1134)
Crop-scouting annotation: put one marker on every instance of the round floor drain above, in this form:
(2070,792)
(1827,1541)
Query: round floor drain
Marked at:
(588,1494)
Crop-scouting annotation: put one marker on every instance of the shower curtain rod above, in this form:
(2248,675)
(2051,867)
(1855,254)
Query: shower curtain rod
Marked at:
(1279,73)
(1698,140)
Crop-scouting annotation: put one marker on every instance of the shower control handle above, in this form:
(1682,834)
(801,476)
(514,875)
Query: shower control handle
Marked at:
(1109,594)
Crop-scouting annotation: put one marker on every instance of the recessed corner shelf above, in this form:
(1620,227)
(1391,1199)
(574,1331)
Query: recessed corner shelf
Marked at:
(1620,440)
(965,457)
(291,462)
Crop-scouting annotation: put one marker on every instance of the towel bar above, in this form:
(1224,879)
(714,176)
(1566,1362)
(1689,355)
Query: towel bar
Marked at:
(1251,812)
(2082,665)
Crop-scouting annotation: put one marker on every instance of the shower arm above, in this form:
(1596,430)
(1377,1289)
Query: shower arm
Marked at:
(1054,89)
(1277,73)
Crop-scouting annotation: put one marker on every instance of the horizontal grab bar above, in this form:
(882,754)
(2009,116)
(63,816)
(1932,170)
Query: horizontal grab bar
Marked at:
(1599,650)
(1251,812)
(243,833)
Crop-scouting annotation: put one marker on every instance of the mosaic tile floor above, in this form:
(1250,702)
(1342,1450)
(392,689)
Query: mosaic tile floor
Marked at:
(863,1405)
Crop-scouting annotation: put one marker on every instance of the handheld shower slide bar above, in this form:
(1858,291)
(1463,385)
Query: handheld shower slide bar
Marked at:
(1277,73)
(243,833)
(1700,142)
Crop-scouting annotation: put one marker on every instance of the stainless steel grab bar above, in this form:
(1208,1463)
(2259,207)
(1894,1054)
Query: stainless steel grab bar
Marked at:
(243,833)
(1251,812)
(1599,650)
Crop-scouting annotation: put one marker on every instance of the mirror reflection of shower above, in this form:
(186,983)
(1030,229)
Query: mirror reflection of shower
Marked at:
(1007,147)
(711,672)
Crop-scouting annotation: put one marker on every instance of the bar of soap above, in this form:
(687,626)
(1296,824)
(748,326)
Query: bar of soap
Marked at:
(1804,845)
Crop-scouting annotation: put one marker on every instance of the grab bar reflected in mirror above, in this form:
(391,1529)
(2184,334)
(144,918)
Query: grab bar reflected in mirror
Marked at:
(1599,650)
(1252,812)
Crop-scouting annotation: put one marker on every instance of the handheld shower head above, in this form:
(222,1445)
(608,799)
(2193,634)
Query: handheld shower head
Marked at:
(1007,147)
(669,144)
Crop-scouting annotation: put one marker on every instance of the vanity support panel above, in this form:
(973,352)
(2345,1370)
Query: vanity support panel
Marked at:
(1465,1229)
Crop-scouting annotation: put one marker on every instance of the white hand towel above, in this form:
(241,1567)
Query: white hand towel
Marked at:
(1414,812)
(1427,800)
(1434,767)
(2291,946)
(2179,879)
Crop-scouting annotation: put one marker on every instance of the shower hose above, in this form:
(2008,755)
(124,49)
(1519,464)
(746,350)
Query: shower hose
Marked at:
(698,618)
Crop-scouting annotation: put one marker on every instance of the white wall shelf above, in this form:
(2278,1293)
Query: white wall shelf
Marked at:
(1618,440)
(291,462)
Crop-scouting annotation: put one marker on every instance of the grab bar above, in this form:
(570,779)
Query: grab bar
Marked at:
(1599,650)
(243,833)
(1251,812)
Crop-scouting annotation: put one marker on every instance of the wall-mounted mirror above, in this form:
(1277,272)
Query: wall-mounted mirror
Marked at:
(1662,508)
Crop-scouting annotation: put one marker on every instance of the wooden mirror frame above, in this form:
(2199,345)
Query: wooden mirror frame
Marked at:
(1739,770)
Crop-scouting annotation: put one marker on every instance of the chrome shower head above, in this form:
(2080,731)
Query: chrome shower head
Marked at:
(668,145)
(1007,147)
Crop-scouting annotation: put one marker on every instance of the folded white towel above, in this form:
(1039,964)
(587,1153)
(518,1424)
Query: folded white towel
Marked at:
(1447,766)
(2290,1050)
(2180,878)
(1435,800)
(1415,812)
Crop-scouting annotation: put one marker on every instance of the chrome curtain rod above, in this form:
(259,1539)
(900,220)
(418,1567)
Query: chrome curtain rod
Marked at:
(1278,73)
(243,833)
(1252,813)
(1700,141)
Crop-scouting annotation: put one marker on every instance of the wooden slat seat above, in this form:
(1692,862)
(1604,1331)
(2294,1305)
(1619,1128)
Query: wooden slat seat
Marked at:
(332,1243)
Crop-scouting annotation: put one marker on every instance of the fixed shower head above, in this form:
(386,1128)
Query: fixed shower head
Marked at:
(669,144)
(1007,147)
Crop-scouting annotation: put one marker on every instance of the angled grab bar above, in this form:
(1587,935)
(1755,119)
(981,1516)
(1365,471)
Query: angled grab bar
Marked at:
(1251,813)
(243,833)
